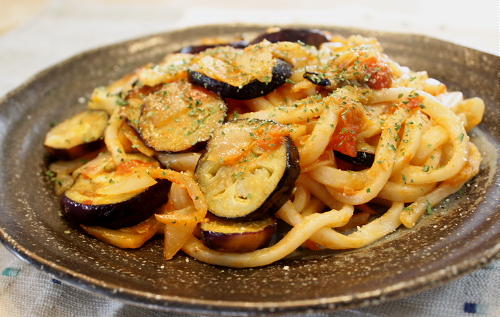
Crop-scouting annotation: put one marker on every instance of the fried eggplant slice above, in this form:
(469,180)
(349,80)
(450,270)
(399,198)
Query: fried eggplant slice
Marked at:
(113,196)
(134,102)
(178,116)
(235,236)
(78,135)
(239,74)
(249,169)
(281,72)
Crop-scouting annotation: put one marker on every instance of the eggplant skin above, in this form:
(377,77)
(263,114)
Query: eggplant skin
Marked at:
(364,159)
(195,49)
(238,241)
(281,72)
(317,79)
(284,189)
(123,214)
(306,36)
(76,151)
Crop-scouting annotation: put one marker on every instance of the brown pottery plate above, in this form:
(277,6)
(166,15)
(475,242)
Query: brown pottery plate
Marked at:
(462,235)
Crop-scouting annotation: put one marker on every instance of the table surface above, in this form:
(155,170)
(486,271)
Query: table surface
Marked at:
(35,34)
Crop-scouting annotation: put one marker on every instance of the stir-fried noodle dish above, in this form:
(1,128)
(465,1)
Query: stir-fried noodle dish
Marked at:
(241,151)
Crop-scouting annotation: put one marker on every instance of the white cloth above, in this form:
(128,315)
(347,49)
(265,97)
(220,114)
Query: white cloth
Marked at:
(35,293)
(68,27)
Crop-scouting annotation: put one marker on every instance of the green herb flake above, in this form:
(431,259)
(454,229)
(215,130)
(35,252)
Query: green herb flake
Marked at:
(51,175)
(121,102)
(428,208)
(408,209)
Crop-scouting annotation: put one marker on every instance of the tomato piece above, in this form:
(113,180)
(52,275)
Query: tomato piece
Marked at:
(413,102)
(378,73)
(267,139)
(345,136)
(273,138)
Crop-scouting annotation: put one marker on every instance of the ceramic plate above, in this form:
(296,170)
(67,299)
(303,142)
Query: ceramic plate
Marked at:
(460,236)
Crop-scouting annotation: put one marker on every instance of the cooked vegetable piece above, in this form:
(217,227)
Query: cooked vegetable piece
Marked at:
(114,196)
(249,169)
(364,159)
(134,141)
(60,172)
(236,67)
(112,96)
(306,36)
(77,135)
(134,103)
(345,136)
(185,161)
(233,236)
(363,69)
(239,74)
(281,72)
(195,49)
(129,237)
(178,116)
(172,68)
(317,79)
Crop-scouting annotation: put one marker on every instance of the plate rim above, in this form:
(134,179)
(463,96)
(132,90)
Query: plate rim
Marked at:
(190,305)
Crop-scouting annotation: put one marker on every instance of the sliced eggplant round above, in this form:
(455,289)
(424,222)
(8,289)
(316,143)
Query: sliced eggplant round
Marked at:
(233,236)
(280,73)
(362,159)
(114,196)
(133,103)
(306,36)
(178,116)
(195,49)
(372,72)
(78,135)
(249,169)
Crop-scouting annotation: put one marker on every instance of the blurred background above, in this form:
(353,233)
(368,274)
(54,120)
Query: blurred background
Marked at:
(38,33)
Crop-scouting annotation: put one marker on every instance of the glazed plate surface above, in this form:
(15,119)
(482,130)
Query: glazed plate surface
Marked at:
(462,235)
